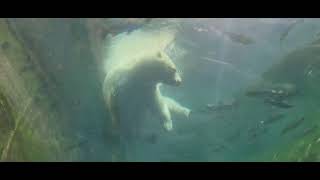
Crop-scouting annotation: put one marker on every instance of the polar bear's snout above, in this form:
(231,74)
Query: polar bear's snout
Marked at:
(177,79)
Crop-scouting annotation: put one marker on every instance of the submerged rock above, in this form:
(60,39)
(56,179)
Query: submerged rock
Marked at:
(272,90)
(292,67)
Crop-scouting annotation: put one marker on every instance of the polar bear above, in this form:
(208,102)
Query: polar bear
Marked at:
(136,66)
(132,90)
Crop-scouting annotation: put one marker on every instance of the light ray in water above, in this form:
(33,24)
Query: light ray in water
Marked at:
(216,61)
(231,66)
(220,70)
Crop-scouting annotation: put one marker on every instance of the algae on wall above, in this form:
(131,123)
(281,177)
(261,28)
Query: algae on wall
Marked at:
(302,68)
(29,132)
(63,53)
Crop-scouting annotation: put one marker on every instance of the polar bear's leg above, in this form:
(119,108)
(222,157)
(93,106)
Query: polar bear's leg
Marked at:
(176,108)
(117,147)
(166,118)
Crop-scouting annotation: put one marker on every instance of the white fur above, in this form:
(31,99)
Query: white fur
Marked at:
(127,86)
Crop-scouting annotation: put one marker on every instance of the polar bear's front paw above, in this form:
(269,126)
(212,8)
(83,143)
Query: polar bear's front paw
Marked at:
(187,113)
(168,125)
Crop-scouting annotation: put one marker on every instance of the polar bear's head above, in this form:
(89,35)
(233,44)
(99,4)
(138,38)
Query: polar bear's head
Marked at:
(162,69)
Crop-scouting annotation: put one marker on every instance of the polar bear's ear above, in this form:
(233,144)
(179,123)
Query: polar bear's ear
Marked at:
(159,55)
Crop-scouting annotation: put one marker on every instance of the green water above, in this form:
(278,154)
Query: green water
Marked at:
(53,109)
